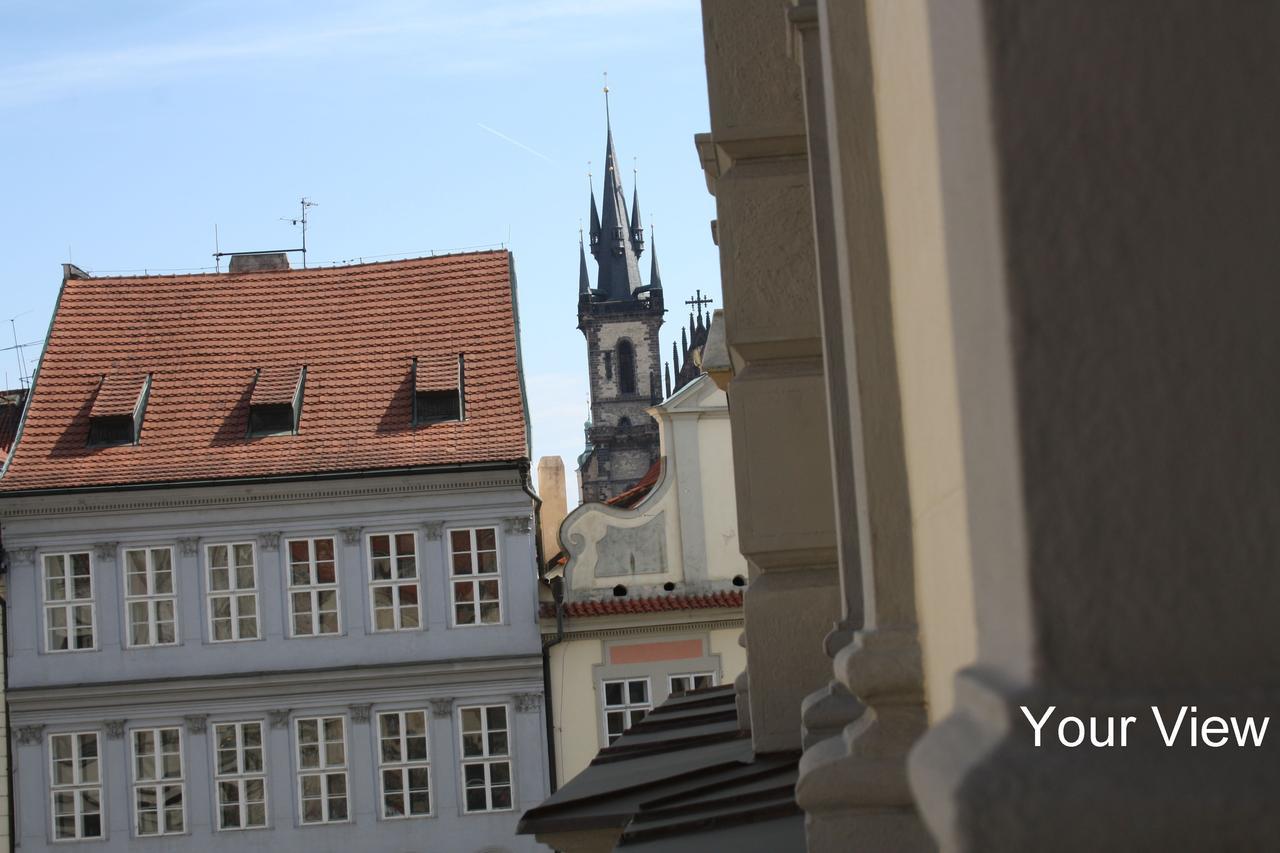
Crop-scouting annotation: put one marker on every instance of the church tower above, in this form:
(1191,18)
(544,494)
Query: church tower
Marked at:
(620,317)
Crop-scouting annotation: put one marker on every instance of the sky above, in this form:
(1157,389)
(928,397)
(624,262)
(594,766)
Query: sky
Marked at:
(129,129)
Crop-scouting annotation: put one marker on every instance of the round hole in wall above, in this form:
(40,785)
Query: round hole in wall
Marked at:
(668,586)
(619,590)
(739,580)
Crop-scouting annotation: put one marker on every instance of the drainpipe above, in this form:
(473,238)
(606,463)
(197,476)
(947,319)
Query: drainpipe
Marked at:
(557,591)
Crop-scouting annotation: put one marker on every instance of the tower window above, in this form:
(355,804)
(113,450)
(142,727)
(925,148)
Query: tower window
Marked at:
(438,390)
(608,365)
(626,367)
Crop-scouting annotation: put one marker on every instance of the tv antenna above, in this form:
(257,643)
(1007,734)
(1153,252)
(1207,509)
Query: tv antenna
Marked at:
(301,220)
(24,375)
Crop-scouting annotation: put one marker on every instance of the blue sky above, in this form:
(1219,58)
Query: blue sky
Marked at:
(128,129)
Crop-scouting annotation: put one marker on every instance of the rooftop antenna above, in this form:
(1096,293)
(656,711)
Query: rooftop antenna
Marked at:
(23,375)
(303,203)
(217,250)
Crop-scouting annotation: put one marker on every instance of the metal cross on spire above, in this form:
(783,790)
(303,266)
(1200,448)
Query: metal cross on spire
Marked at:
(698,301)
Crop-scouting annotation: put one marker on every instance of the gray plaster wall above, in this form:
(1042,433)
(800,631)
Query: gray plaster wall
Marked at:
(355,673)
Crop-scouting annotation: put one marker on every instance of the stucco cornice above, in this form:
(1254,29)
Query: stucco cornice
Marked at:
(627,630)
(215,496)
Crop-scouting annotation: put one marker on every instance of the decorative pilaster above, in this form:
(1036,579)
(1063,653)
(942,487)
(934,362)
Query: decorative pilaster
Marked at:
(25,556)
(188,546)
(441,707)
(197,724)
(359,713)
(269,541)
(527,703)
(516,524)
(29,735)
(350,535)
(114,728)
(279,718)
(433,530)
(105,550)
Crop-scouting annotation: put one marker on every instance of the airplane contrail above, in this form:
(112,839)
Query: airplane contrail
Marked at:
(514,142)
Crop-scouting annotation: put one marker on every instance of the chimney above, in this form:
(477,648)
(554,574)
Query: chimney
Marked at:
(554,503)
(259,262)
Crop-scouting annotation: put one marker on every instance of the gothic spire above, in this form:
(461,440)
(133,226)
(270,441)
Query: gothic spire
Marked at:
(595,224)
(616,251)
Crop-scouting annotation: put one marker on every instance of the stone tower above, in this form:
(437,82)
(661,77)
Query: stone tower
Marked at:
(620,318)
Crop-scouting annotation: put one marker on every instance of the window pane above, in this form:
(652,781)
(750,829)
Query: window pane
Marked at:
(638,691)
(244,554)
(476,801)
(298,551)
(380,546)
(219,579)
(490,613)
(244,577)
(486,539)
(217,555)
(324,549)
(497,716)
(460,540)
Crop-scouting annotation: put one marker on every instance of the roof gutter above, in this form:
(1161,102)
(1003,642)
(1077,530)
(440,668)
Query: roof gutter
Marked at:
(502,465)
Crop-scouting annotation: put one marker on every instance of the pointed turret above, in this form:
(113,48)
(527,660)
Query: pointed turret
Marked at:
(667,370)
(655,278)
(637,231)
(675,358)
(584,278)
(595,225)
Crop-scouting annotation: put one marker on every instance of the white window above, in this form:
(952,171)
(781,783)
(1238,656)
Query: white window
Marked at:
(233,592)
(240,775)
(322,769)
(626,701)
(76,791)
(68,602)
(473,576)
(486,758)
(393,579)
(158,807)
(149,599)
(313,587)
(405,763)
(690,681)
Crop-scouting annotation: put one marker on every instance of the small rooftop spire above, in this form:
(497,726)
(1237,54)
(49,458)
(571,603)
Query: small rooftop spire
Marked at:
(655,277)
(595,216)
(637,230)
(584,279)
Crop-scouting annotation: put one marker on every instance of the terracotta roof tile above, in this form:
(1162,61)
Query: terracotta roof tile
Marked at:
(437,373)
(275,385)
(637,493)
(356,328)
(10,413)
(652,604)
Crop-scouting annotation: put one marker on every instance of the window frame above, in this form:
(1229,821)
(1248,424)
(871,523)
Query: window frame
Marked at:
(240,777)
(76,787)
(322,770)
(671,677)
(233,592)
(627,708)
(313,589)
(68,605)
(404,765)
(486,759)
(149,598)
(475,577)
(393,583)
(158,782)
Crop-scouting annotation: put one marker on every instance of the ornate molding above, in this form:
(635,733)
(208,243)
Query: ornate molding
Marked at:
(22,556)
(350,535)
(115,729)
(442,707)
(433,529)
(105,550)
(359,713)
(269,541)
(278,718)
(28,735)
(196,723)
(517,524)
(188,546)
(527,702)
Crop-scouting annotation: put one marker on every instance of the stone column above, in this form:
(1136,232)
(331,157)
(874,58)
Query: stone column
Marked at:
(1109,187)
(272,561)
(445,773)
(196,756)
(192,612)
(433,575)
(107,597)
(361,761)
(757,169)
(353,581)
(282,779)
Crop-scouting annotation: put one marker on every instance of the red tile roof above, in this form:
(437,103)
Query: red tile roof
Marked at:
(118,394)
(652,604)
(275,386)
(355,328)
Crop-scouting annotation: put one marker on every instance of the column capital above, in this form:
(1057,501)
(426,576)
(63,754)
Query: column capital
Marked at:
(527,703)
(269,541)
(433,530)
(350,535)
(441,707)
(278,718)
(359,713)
(188,545)
(105,550)
(28,735)
(115,728)
(197,724)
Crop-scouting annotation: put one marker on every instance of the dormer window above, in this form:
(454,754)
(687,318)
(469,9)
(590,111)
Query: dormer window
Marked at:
(438,389)
(118,409)
(275,406)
